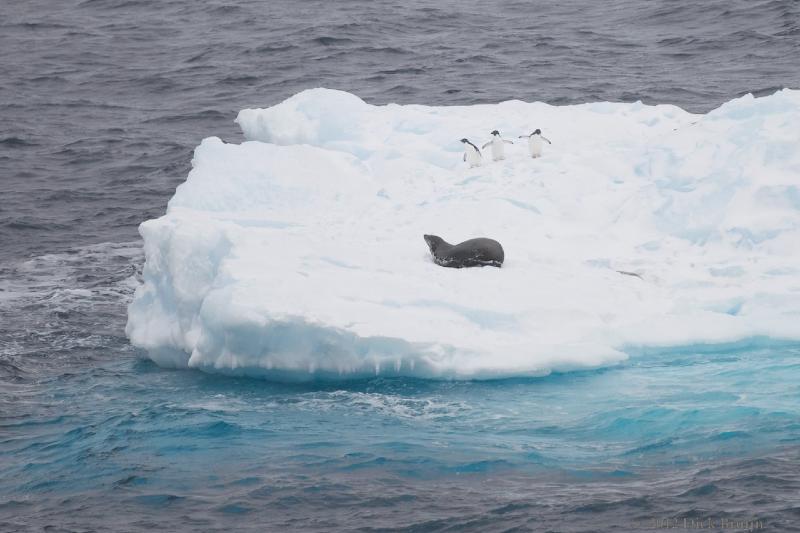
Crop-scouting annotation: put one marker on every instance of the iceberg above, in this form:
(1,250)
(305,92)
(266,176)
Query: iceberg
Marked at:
(298,254)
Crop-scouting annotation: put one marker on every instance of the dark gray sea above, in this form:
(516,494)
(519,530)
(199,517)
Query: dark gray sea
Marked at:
(101,105)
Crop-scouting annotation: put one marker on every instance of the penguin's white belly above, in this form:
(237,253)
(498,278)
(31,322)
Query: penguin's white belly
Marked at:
(498,151)
(535,144)
(473,158)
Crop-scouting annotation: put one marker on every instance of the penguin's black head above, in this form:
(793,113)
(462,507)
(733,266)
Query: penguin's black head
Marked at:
(465,140)
(495,132)
(537,132)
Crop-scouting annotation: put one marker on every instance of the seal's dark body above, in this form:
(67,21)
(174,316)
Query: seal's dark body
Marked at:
(471,253)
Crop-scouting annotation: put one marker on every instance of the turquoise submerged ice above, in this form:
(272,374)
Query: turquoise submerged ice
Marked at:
(298,255)
(660,433)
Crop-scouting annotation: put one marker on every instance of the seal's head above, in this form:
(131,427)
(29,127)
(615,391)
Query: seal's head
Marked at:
(495,132)
(433,242)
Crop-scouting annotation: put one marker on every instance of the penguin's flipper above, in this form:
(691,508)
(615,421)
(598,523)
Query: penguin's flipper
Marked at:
(507,141)
(485,145)
(465,156)
(546,139)
(524,136)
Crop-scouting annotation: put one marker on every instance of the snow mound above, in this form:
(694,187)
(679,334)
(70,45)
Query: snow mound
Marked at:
(299,254)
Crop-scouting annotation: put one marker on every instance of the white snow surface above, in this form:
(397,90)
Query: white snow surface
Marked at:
(299,255)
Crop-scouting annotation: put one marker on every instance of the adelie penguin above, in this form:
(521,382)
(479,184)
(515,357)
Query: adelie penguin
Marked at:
(471,253)
(472,155)
(535,142)
(498,148)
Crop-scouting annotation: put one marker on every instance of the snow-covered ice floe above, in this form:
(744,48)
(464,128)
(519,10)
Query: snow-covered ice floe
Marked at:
(299,254)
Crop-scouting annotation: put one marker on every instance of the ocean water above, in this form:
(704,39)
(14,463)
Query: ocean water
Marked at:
(102,103)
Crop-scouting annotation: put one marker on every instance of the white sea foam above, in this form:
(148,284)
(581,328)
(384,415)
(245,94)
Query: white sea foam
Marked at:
(104,270)
(299,253)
